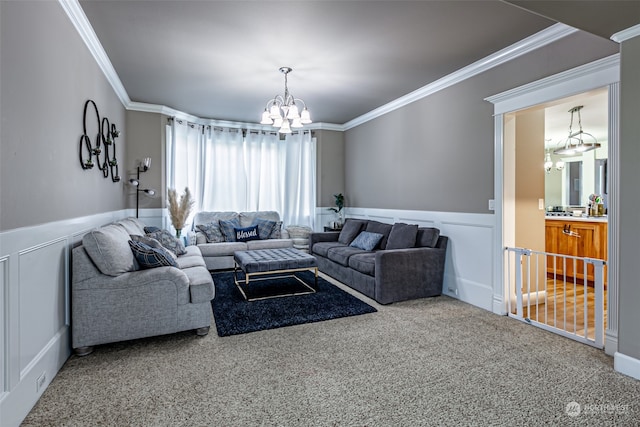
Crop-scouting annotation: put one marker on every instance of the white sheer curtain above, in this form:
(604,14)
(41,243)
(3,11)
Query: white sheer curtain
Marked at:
(184,160)
(226,171)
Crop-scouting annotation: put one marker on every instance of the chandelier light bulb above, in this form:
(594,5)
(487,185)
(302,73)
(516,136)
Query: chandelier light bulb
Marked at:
(296,123)
(283,112)
(266,118)
(548,164)
(305,117)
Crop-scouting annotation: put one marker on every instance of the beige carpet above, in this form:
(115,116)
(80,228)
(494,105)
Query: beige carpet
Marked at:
(427,362)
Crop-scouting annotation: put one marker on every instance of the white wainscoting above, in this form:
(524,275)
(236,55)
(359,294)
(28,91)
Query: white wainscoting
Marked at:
(469,269)
(35,306)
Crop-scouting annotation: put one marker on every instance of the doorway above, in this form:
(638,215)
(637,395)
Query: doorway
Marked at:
(550,203)
(599,74)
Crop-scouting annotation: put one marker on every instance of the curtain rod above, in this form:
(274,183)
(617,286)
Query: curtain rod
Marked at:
(234,129)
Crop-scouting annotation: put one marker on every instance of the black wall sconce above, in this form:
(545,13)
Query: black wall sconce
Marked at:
(144,166)
(105,145)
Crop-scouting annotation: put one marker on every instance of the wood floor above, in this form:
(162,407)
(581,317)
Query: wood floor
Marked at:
(564,308)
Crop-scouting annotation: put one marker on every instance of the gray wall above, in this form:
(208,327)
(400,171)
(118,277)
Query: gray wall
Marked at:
(47,74)
(329,166)
(146,131)
(629,318)
(437,153)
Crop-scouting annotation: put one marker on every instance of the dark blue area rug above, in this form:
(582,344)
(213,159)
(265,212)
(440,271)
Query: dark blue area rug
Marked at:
(233,315)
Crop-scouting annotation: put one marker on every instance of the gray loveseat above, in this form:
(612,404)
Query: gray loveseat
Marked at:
(407,263)
(218,252)
(114,299)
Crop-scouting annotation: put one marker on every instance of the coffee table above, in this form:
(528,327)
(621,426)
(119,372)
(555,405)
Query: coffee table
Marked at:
(270,263)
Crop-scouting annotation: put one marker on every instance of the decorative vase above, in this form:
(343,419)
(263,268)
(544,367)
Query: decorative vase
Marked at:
(178,233)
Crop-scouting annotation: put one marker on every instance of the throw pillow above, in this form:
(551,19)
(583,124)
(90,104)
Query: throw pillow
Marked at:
(402,236)
(149,241)
(212,231)
(247,233)
(427,237)
(228,229)
(276,233)
(149,257)
(107,246)
(382,228)
(265,227)
(151,229)
(366,240)
(350,230)
(169,241)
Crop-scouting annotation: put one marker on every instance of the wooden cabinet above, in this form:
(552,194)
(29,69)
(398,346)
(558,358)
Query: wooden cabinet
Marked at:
(578,239)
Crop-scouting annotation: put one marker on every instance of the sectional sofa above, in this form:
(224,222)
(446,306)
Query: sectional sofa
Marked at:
(406,261)
(217,248)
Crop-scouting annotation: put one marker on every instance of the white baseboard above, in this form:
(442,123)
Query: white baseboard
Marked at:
(626,365)
(610,344)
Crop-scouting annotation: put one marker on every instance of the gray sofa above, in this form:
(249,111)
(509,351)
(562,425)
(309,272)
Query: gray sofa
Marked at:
(217,252)
(114,299)
(407,263)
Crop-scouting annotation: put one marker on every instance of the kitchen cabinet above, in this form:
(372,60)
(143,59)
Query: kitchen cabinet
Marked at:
(576,238)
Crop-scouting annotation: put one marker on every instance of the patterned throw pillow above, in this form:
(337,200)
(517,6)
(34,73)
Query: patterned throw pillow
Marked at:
(265,227)
(151,229)
(170,242)
(366,240)
(149,257)
(212,231)
(228,229)
(276,233)
(149,241)
(247,233)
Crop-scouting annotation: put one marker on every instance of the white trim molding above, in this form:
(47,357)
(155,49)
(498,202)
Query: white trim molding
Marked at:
(596,74)
(529,44)
(627,34)
(88,35)
(626,365)
(32,352)
(85,30)
(601,73)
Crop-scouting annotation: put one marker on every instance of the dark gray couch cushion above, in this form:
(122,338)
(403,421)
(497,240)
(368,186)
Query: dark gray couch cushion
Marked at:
(427,237)
(364,263)
(402,236)
(341,254)
(350,230)
(382,228)
(322,248)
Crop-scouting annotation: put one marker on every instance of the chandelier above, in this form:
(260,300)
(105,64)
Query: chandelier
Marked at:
(284,112)
(574,143)
(548,163)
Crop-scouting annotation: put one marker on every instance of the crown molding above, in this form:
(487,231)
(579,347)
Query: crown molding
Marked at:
(84,28)
(162,109)
(595,74)
(538,40)
(79,19)
(627,34)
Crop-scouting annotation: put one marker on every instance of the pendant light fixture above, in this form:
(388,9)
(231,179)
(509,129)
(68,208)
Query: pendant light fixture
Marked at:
(283,112)
(575,141)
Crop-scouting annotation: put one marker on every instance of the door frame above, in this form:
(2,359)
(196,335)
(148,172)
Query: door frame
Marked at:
(604,72)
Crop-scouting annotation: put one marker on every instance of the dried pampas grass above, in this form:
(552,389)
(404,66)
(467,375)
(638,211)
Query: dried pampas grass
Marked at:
(179,211)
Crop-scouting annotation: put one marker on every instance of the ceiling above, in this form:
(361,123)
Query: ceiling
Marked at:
(220,59)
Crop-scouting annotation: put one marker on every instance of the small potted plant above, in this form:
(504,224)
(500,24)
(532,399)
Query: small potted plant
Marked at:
(179,210)
(339,202)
